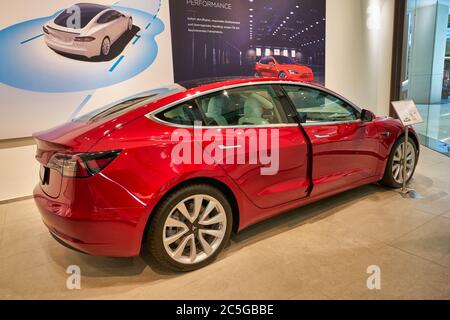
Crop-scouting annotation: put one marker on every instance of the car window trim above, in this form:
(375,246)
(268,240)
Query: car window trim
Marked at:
(152,115)
(329,123)
(264,126)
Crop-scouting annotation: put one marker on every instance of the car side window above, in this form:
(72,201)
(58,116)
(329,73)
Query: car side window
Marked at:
(106,17)
(109,16)
(315,106)
(116,15)
(246,106)
(185,114)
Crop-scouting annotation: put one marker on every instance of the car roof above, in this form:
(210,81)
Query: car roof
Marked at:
(191,84)
(210,84)
(280,56)
(92,6)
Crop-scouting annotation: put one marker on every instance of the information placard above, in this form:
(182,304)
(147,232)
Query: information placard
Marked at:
(407,112)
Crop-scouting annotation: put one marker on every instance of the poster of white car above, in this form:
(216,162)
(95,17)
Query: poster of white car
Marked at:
(86,29)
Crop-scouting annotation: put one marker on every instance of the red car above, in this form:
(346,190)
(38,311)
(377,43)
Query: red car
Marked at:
(284,68)
(111,185)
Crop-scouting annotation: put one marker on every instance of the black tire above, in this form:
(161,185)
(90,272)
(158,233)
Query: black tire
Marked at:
(154,235)
(388,179)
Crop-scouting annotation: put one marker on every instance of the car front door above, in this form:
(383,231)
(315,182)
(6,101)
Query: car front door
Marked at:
(346,151)
(263,67)
(265,154)
(272,68)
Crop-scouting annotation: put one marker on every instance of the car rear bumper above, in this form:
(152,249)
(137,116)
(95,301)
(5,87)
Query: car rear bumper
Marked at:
(87,49)
(96,231)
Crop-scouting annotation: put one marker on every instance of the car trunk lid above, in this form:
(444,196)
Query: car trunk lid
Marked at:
(73,137)
(62,35)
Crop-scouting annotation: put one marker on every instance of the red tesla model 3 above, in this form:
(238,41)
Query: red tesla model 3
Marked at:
(283,68)
(110,184)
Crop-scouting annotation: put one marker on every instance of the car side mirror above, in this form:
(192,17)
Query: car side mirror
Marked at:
(367,116)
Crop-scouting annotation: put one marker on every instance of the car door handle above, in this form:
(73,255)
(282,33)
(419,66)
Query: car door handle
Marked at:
(222,147)
(322,136)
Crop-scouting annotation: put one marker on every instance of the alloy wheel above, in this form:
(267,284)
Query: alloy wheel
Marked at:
(106,46)
(398,163)
(194,229)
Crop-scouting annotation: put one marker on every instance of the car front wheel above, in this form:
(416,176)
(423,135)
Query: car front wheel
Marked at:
(282,75)
(190,228)
(394,174)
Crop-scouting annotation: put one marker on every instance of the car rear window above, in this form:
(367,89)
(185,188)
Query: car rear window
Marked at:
(185,114)
(66,18)
(128,104)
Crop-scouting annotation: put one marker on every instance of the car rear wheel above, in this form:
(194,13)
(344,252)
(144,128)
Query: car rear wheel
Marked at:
(282,75)
(393,176)
(106,47)
(190,228)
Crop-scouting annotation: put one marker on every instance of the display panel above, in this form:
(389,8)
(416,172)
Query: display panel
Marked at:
(61,60)
(230,37)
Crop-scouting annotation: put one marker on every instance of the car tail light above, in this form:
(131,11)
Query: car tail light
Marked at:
(81,165)
(45,30)
(84,39)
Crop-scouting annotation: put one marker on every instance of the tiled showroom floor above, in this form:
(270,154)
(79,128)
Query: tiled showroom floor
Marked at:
(318,252)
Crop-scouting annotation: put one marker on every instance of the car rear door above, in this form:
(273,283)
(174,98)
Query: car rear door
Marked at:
(264,153)
(117,25)
(345,150)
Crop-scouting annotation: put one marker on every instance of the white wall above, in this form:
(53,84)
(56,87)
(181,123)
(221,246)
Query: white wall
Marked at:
(358,62)
(359,51)
(19,172)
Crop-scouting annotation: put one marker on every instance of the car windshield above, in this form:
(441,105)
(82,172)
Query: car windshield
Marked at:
(88,12)
(129,103)
(284,60)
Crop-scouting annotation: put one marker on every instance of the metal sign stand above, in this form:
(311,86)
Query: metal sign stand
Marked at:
(406,192)
(408,115)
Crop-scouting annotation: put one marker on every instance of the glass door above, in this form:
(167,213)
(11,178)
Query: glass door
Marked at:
(426,69)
